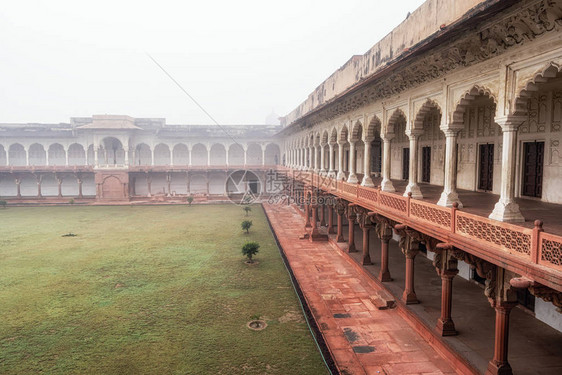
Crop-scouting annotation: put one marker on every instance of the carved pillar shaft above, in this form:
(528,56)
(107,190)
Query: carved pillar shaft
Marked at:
(384,274)
(449,194)
(445,324)
(367,180)
(413,186)
(386,183)
(352,179)
(499,364)
(307,214)
(330,219)
(331,158)
(351,233)
(340,175)
(322,159)
(409,295)
(339,236)
(506,209)
(366,255)
(322,209)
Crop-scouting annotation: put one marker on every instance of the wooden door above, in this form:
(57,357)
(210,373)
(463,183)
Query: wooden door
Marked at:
(426,164)
(406,164)
(533,158)
(486,175)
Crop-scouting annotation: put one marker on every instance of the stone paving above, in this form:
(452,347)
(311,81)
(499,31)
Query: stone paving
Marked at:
(362,338)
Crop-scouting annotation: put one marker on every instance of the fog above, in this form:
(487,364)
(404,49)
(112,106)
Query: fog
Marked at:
(240,60)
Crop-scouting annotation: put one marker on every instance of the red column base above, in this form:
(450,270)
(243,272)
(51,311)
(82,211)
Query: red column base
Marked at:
(410,298)
(446,328)
(498,368)
(385,276)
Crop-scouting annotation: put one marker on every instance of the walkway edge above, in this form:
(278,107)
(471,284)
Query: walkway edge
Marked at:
(325,351)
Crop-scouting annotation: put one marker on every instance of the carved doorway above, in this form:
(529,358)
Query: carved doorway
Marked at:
(405,163)
(486,172)
(426,164)
(533,159)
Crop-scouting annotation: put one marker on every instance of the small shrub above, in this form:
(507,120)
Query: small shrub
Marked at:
(250,249)
(189,199)
(246,225)
(3,204)
(247,209)
(71,201)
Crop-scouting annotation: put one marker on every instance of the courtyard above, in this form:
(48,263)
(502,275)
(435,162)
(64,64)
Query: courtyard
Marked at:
(146,290)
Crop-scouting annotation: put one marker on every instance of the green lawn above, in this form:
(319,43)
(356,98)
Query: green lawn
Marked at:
(145,290)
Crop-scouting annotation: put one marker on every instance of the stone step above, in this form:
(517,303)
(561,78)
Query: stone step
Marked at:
(383,300)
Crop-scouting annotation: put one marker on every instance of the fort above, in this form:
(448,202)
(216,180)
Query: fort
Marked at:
(443,141)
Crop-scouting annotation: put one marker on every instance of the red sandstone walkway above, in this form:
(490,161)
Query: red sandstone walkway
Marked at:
(362,339)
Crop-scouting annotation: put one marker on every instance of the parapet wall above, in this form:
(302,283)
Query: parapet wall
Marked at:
(421,24)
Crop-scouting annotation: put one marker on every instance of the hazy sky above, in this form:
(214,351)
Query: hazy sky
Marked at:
(239,59)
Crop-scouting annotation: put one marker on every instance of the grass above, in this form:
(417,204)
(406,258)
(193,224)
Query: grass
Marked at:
(145,290)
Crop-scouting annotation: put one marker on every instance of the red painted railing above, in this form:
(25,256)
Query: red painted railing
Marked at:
(530,245)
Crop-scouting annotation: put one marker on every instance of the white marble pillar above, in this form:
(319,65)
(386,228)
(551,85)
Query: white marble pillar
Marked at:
(386,183)
(506,209)
(352,178)
(413,186)
(331,171)
(367,180)
(317,165)
(449,194)
(306,158)
(341,174)
(322,160)
(96,156)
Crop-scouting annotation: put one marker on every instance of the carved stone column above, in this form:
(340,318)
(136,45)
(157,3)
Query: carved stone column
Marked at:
(331,172)
(351,217)
(503,299)
(307,211)
(384,232)
(449,194)
(149,184)
(506,209)
(340,210)
(330,218)
(341,175)
(79,181)
(365,225)
(413,186)
(446,267)
(39,179)
(59,182)
(322,170)
(386,183)
(409,243)
(367,180)
(18,187)
(322,209)
(352,179)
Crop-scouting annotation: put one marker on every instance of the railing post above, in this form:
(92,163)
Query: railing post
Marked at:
(408,204)
(454,209)
(535,241)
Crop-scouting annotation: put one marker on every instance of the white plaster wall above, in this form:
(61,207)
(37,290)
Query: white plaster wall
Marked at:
(7,186)
(179,183)
(547,313)
(198,184)
(141,187)
(159,184)
(217,185)
(88,185)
